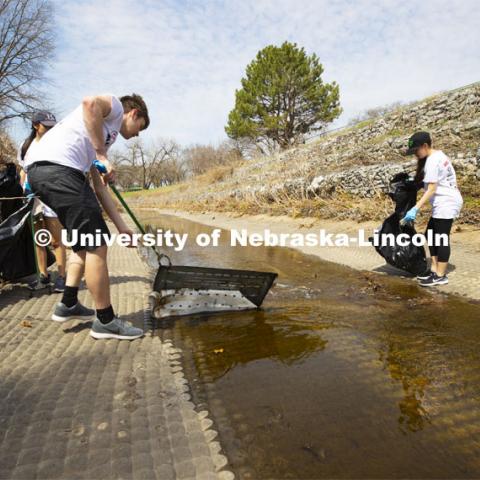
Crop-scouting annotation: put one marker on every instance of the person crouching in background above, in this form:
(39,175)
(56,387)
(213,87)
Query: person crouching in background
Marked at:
(436,172)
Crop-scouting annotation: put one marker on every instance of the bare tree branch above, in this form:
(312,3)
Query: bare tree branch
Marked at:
(26,45)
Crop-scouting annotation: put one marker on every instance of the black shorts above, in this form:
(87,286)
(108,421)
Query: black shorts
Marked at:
(67,191)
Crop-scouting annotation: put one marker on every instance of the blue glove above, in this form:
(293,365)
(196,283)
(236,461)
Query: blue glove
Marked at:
(100,166)
(410,216)
(27,188)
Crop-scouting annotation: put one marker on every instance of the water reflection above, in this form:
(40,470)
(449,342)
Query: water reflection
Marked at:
(248,337)
(413,416)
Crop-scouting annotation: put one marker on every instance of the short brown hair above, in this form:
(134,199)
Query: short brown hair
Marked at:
(136,102)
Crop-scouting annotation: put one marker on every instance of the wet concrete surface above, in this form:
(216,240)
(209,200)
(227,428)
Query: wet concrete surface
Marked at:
(341,374)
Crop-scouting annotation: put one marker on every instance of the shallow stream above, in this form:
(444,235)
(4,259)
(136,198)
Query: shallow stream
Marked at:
(341,374)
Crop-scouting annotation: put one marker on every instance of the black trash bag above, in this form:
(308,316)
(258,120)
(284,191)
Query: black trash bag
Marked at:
(409,258)
(8,175)
(403,192)
(17,257)
(9,187)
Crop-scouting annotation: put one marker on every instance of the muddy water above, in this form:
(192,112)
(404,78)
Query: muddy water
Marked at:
(342,374)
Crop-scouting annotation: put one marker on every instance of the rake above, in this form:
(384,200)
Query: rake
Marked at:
(186,290)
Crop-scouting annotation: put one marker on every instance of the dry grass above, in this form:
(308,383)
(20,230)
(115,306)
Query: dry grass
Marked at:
(216,174)
(340,206)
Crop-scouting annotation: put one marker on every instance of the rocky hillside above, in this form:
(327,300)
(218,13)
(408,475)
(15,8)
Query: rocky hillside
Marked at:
(352,166)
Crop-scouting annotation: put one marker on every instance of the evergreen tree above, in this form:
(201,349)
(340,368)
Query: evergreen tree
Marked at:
(282,98)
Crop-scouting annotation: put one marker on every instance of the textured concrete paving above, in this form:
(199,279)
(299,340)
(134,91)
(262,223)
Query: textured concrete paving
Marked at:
(74,407)
(464,268)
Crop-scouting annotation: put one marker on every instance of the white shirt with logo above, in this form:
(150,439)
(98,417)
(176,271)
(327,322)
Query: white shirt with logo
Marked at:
(447,201)
(68,142)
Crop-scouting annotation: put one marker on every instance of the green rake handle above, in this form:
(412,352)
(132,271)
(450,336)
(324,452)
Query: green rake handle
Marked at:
(102,169)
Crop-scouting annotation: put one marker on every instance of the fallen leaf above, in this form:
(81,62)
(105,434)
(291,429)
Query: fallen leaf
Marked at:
(218,350)
(26,324)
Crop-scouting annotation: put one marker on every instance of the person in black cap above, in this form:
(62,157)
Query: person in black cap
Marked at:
(45,217)
(436,172)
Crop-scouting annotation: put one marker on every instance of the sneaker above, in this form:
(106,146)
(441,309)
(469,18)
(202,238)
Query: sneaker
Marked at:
(40,282)
(117,328)
(59,285)
(63,313)
(434,280)
(425,276)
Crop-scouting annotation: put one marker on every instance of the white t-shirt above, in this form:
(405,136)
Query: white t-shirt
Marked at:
(31,148)
(447,201)
(68,142)
(46,210)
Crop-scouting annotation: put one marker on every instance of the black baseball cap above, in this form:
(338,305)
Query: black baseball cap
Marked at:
(417,140)
(45,118)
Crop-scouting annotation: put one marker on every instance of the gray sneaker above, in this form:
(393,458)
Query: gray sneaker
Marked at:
(59,285)
(117,328)
(40,282)
(63,313)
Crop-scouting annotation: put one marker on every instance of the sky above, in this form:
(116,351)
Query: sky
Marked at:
(186,58)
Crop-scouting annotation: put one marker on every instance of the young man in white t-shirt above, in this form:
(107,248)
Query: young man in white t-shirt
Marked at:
(57,174)
(436,171)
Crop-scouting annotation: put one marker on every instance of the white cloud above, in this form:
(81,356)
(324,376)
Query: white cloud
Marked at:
(187,57)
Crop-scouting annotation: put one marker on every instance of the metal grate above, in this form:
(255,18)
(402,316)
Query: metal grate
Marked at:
(253,285)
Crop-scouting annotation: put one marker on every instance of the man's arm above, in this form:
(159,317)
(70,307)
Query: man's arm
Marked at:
(107,202)
(95,109)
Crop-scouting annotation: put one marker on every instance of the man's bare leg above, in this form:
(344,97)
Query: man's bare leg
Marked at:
(76,268)
(70,308)
(106,325)
(96,276)
(94,265)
